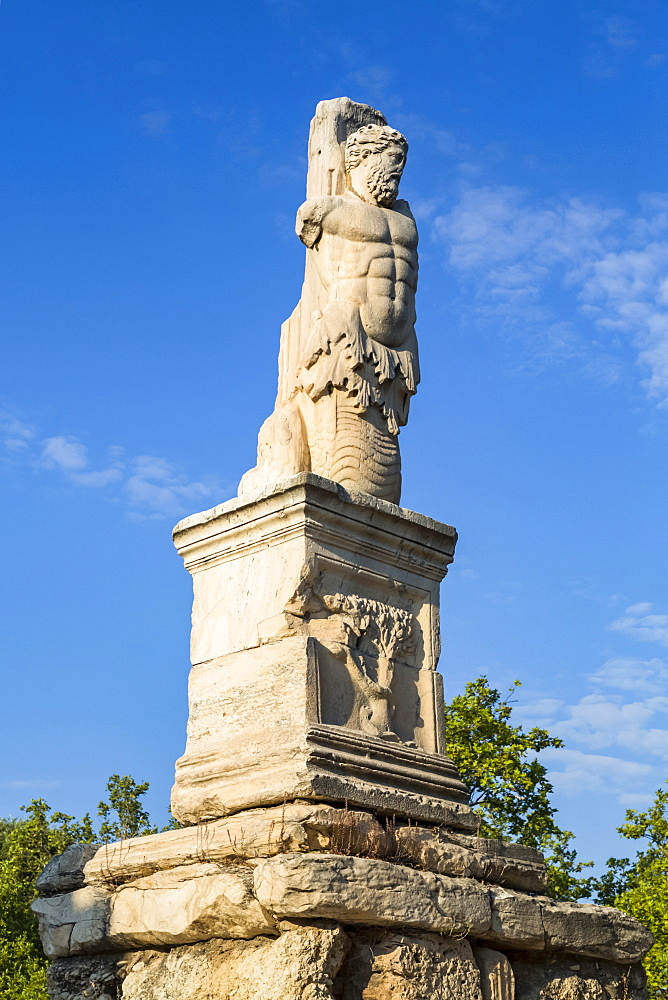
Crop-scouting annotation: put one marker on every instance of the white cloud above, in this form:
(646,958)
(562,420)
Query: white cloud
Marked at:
(620,32)
(16,434)
(102,477)
(572,772)
(150,486)
(510,240)
(598,721)
(374,79)
(158,488)
(636,800)
(609,268)
(442,140)
(539,712)
(632,674)
(70,457)
(64,453)
(626,712)
(640,621)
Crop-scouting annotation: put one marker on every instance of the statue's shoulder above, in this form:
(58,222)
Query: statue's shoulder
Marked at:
(403,208)
(311,216)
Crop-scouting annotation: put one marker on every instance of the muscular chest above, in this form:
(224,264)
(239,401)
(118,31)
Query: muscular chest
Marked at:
(357,222)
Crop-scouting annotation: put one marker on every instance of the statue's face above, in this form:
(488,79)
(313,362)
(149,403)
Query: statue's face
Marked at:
(376,178)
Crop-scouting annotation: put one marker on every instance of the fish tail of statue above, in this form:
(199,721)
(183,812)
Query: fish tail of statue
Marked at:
(365,457)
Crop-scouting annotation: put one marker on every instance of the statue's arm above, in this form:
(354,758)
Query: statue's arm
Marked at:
(310,219)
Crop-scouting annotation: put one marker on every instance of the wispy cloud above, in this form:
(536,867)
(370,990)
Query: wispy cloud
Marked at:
(580,279)
(632,674)
(64,453)
(574,772)
(374,81)
(149,486)
(616,735)
(34,783)
(442,140)
(16,434)
(598,721)
(70,457)
(640,621)
(155,486)
(615,40)
(154,123)
(620,32)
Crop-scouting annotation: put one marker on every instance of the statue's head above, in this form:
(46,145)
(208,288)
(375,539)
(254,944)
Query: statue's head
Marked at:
(375,159)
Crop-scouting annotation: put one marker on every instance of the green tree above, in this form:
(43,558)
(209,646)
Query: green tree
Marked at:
(132,820)
(25,848)
(509,786)
(640,887)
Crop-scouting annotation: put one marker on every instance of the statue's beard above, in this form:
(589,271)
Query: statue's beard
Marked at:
(383,187)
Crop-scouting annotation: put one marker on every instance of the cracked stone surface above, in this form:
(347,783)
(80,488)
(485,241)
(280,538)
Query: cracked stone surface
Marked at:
(300,965)
(564,977)
(205,900)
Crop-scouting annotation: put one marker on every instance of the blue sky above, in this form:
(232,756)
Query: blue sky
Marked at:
(153,160)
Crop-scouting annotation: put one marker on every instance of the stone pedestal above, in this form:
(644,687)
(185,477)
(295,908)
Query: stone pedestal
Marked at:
(315,639)
(329,851)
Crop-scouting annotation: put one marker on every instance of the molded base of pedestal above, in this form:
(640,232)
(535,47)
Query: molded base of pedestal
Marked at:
(330,764)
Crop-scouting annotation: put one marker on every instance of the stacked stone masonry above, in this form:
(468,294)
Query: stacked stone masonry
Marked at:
(308,900)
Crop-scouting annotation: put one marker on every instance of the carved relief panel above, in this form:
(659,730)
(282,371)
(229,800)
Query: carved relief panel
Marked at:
(370,655)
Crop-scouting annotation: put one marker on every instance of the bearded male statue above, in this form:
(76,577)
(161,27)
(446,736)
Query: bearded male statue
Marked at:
(348,363)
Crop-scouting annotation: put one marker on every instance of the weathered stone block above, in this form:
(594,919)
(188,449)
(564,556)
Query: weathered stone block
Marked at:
(74,922)
(492,861)
(365,891)
(255,833)
(409,966)
(206,899)
(517,919)
(65,872)
(300,965)
(596,931)
(186,904)
(497,981)
(190,903)
(565,977)
(309,826)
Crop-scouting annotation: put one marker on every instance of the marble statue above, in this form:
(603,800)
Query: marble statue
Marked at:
(348,363)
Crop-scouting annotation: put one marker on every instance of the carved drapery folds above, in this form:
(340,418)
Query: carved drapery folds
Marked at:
(340,355)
